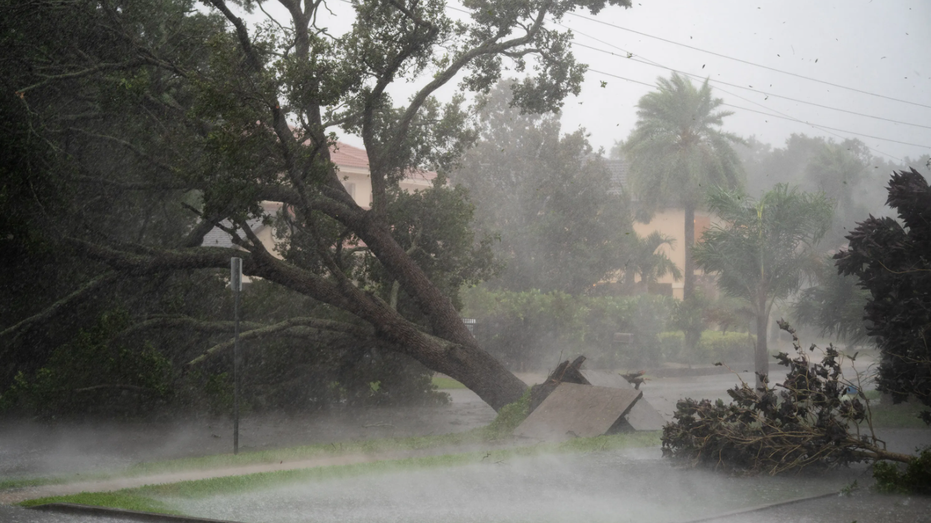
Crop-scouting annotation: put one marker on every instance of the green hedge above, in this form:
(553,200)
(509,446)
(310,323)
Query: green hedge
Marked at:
(532,329)
(714,346)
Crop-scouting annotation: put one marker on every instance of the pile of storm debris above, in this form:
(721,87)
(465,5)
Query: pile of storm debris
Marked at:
(577,402)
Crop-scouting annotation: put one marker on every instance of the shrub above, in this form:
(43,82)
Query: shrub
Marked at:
(713,347)
(911,478)
(91,375)
(531,329)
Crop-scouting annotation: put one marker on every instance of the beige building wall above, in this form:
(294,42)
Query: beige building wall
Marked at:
(671,222)
(358,183)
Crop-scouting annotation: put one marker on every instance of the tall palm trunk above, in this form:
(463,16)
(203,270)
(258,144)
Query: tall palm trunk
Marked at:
(689,285)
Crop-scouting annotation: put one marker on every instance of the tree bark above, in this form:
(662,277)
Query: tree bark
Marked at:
(460,358)
(688,287)
(761,355)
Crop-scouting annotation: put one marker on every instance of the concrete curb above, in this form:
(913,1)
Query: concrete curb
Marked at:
(148,517)
(761,507)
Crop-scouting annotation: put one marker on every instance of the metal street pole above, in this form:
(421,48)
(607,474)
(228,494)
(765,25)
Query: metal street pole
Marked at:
(236,284)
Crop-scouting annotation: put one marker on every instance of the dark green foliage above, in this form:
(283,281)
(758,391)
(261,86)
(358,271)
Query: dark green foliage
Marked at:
(91,375)
(434,226)
(308,373)
(891,259)
(806,421)
(136,127)
(911,478)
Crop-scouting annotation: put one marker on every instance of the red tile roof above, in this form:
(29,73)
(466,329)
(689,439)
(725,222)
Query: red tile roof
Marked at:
(348,156)
(345,155)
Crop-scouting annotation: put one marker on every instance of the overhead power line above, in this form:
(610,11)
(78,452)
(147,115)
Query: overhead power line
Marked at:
(651,63)
(785,117)
(673,42)
(820,126)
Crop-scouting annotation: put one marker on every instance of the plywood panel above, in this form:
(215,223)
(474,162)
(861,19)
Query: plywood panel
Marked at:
(574,410)
(642,415)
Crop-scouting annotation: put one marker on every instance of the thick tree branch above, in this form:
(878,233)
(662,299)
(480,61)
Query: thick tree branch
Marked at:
(413,16)
(129,64)
(242,33)
(298,327)
(118,386)
(133,186)
(123,143)
(489,46)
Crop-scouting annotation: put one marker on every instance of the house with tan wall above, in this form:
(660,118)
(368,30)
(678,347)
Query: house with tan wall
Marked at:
(669,222)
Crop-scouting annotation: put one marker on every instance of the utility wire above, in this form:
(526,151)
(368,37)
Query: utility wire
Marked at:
(783,117)
(747,62)
(819,126)
(779,114)
(634,58)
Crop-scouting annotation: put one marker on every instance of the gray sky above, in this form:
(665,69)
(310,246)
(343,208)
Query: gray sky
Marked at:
(877,46)
(881,47)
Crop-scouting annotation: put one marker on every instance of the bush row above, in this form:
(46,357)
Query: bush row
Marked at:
(714,346)
(534,330)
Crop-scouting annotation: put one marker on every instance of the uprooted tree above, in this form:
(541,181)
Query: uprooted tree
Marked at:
(808,420)
(138,126)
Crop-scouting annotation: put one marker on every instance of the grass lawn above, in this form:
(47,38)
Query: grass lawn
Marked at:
(303,452)
(149,498)
(901,416)
(121,499)
(499,429)
(445,382)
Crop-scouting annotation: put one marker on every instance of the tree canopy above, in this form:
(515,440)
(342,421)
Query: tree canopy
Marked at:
(834,304)
(762,248)
(891,259)
(547,196)
(141,125)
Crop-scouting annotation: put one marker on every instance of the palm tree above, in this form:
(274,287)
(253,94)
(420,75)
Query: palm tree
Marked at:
(677,151)
(646,262)
(764,248)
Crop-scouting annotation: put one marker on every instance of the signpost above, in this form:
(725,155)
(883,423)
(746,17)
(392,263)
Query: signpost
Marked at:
(236,285)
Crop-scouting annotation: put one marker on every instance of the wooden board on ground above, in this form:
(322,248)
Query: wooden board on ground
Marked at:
(643,416)
(574,410)
(600,378)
